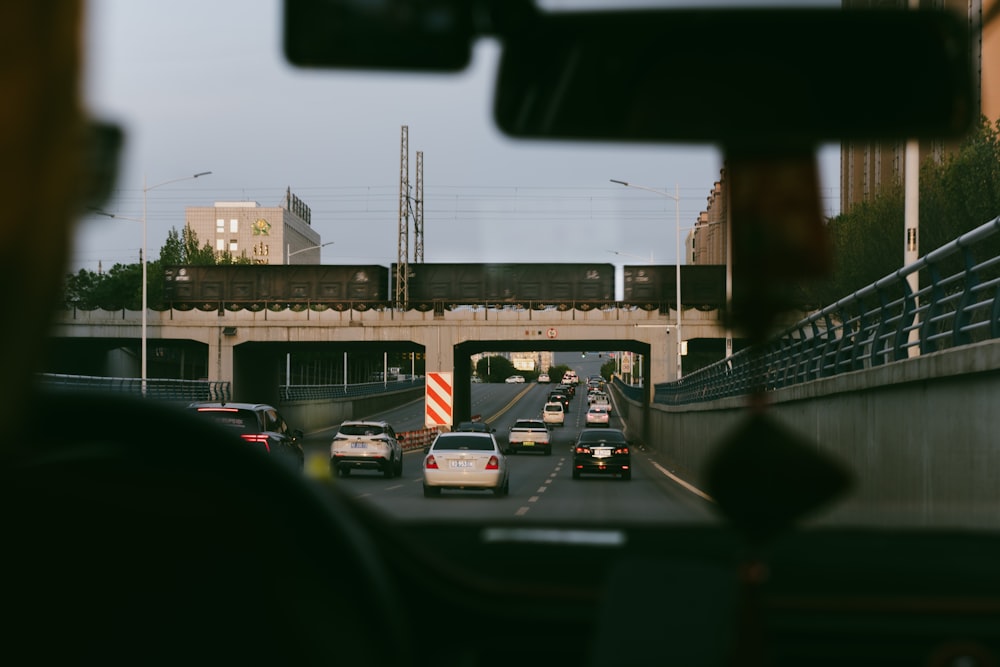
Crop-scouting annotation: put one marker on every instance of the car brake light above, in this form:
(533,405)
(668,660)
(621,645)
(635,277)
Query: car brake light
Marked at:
(621,450)
(430,463)
(259,438)
(582,450)
(493,463)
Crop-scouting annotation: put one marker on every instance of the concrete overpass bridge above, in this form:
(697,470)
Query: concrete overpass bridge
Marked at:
(249,348)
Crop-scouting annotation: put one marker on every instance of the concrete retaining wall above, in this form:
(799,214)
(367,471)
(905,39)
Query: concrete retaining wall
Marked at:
(921,435)
(315,415)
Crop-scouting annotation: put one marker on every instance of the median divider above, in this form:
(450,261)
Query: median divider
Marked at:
(417,439)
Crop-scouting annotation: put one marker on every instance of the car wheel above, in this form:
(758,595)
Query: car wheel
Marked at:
(389,471)
(576,474)
(399,467)
(548,451)
(345,471)
(627,475)
(431,491)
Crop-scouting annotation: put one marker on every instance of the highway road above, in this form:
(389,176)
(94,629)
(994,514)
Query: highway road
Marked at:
(541,487)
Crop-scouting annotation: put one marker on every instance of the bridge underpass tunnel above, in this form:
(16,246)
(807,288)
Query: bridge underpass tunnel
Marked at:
(261,369)
(463,353)
(111,357)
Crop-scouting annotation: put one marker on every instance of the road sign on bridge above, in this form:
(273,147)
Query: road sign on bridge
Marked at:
(438,400)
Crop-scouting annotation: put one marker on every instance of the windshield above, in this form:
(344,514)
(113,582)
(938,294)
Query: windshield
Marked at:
(384,237)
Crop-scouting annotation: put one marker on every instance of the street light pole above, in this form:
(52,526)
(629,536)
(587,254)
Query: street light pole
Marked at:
(677,229)
(145,281)
(289,253)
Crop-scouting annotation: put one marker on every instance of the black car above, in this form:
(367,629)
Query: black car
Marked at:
(559,397)
(604,452)
(473,427)
(259,424)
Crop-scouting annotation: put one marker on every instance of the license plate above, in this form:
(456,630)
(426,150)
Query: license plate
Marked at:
(462,464)
(528,443)
(359,445)
(602,452)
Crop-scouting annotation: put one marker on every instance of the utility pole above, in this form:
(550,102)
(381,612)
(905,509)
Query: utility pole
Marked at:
(403,250)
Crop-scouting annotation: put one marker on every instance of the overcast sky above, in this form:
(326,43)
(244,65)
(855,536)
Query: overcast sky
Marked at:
(202,86)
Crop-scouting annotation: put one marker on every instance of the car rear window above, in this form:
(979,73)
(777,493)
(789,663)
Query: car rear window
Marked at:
(523,423)
(361,429)
(469,442)
(243,421)
(553,407)
(590,436)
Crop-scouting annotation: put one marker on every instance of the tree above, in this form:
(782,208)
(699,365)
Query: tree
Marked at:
(957,194)
(494,368)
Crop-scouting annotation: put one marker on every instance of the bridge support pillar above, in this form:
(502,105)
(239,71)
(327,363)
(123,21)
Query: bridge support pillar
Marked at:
(220,356)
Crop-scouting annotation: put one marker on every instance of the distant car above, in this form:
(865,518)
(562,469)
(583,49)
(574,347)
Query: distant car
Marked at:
(554,413)
(473,427)
(568,389)
(259,424)
(561,397)
(597,415)
(543,378)
(465,460)
(366,445)
(602,452)
(515,379)
(602,400)
(529,435)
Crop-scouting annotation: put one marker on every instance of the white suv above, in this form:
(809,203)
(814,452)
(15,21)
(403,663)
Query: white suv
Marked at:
(366,445)
(553,413)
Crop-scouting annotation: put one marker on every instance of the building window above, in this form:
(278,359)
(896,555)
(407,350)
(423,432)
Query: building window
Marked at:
(220,244)
(220,225)
(233,245)
(234,226)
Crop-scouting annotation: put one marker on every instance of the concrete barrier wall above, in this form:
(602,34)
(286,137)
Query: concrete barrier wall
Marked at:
(921,434)
(315,415)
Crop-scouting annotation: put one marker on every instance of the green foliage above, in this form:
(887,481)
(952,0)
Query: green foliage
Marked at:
(495,368)
(608,369)
(957,194)
(121,287)
(557,372)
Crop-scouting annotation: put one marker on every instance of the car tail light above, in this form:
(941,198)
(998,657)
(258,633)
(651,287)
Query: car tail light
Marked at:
(259,438)
(583,450)
(430,463)
(621,450)
(493,463)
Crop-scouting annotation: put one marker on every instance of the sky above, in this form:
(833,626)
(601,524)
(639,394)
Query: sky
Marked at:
(203,86)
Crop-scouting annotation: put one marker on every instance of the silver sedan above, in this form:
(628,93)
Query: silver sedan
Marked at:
(464,460)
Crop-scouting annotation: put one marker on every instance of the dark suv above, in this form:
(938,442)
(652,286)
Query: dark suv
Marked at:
(259,424)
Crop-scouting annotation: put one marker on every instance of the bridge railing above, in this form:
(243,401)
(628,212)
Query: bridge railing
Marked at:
(157,388)
(956,304)
(307,392)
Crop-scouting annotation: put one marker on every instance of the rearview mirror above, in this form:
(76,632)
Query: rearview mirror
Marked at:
(745,78)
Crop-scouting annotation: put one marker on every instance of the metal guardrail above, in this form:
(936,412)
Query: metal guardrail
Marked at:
(957,303)
(157,388)
(304,392)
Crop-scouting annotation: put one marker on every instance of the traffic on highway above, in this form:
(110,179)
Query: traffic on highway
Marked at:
(541,487)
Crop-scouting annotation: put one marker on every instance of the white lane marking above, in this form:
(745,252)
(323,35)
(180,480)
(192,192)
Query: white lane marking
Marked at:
(549,480)
(391,488)
(693,489)
(541,489)
(533,499)
(521,511)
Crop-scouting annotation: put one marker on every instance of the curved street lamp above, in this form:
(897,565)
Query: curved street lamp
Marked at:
(145,278)
(289,253)
(677,214)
